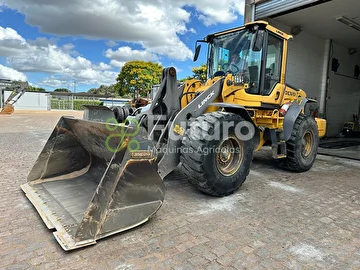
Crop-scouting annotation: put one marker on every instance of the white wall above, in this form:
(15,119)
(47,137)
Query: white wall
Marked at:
(31,101)
(343,97)
(305,61)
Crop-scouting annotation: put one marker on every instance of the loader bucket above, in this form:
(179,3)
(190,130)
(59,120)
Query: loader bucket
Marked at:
(7,109)
(93,180)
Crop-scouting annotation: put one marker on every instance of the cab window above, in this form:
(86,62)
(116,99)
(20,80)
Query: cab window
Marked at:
(273,63)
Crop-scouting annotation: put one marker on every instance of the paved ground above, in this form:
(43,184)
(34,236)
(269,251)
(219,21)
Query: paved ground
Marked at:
(277,220)
(350,152)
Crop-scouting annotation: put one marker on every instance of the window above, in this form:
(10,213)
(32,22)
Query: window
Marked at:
(253,71)
(273,63)
(223,50)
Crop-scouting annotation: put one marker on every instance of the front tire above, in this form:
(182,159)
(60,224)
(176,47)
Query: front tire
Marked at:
(213,157)
(301,148)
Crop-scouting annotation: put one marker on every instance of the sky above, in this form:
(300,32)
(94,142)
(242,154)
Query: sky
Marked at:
(81,44)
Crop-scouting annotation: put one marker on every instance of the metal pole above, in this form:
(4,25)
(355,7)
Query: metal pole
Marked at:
(72,102)
(324,79)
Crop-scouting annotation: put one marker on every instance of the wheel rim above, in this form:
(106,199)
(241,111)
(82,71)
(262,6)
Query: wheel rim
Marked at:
(307,142)
(229,156)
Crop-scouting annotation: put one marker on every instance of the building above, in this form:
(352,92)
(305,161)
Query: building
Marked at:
(30,100)
(324,54)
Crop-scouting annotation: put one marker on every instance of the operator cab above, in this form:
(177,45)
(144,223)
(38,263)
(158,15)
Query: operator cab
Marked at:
(251,54)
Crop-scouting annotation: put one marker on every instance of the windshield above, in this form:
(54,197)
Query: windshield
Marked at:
(232,53)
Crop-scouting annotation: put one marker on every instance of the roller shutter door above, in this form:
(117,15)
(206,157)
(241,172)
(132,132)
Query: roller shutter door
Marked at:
(272,7)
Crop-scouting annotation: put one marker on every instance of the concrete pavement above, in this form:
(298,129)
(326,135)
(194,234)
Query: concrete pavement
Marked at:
(276,220)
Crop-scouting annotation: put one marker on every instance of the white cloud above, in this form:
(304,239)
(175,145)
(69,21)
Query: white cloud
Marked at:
(125,54)
(10,34)
(155,24)
(11,43)
(192,30)
(11,74)
(68,46)
(210,12)
(43,55)
(103,66)
(49,59)
(116,63)
(85,77)
(55,82)
(42,42)
(111,43)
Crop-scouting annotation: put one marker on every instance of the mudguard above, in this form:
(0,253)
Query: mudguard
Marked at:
(291,115)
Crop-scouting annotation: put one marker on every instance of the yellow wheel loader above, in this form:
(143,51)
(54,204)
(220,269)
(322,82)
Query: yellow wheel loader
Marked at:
(96,177)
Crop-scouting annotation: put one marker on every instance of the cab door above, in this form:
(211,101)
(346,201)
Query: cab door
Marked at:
(273,71)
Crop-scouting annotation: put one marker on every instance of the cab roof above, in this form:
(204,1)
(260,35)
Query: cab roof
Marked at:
(262,24)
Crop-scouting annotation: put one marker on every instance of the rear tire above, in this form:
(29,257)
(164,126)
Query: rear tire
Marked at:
(215,162)
(301,148)
(119,114)
(131,110)
(126,111)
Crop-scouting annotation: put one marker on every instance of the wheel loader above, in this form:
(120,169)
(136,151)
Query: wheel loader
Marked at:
(96,177)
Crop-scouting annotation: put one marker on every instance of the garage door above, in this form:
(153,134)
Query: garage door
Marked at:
(269,8)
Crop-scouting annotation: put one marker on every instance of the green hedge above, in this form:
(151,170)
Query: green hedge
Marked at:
(77,104)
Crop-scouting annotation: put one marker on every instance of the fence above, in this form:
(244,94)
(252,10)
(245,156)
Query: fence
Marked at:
(73,101)
(72,104)
(59,101)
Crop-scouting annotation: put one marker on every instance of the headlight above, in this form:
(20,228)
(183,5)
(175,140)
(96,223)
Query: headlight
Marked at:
(238,79)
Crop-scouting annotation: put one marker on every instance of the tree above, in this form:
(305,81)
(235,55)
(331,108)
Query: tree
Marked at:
(35,89)
(63,90)
(198,73)
(186,79)
(103,90)
(137,75)
(93,91)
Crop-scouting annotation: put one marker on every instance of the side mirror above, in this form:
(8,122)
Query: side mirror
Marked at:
(197,51)
(259,40)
